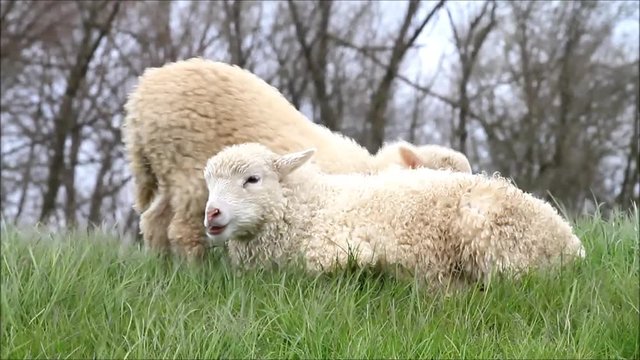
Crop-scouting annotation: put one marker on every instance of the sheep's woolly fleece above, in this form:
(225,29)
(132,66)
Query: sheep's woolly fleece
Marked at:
(439,225)
(182,113)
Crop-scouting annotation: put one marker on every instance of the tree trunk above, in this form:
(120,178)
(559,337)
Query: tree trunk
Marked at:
(70,175)
(63,121)
(26,180)
(461,131)
(316,60)
(626,196)
(98,196)
(381,96)
(233,27)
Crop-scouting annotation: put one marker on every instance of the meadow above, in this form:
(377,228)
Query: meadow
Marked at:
(84,295)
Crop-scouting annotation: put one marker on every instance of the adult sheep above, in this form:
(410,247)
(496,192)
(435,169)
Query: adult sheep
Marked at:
(181,113)
(442,225)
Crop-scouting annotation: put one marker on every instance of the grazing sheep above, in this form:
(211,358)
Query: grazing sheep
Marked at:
(181,113)
(429,156)
(440,225)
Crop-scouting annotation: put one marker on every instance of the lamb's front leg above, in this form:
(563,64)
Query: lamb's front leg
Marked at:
(340,252)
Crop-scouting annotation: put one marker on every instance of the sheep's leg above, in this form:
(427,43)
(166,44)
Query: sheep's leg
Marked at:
(153,224)
(186,238)
(186,229)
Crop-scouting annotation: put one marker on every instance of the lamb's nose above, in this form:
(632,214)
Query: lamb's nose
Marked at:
(212,214)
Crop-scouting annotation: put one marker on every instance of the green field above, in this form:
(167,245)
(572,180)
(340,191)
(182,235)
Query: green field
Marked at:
(83,295)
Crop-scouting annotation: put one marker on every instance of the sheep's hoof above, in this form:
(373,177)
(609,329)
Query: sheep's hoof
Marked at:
(193,254)
(196,254)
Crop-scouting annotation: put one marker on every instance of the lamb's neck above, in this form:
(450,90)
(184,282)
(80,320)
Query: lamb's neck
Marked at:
(267,245)
(304,191)
(305,186)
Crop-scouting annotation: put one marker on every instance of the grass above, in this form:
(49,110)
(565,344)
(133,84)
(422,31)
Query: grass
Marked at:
(82,295)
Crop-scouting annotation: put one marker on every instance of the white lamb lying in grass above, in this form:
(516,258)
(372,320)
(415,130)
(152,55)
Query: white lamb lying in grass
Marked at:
(439,225)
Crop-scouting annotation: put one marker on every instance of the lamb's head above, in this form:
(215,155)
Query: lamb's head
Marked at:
(407,155)
(244,183)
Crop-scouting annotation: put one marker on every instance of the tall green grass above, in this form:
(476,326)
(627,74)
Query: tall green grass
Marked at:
(79,295)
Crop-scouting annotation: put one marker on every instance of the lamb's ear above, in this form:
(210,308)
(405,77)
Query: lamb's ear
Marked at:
(409,157)
(285,164)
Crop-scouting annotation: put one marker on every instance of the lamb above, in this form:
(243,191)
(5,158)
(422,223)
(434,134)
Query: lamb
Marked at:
(181,113)
(445,227)
(429,156)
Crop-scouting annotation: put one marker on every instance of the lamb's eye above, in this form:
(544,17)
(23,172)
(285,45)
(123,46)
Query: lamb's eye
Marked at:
(252,179)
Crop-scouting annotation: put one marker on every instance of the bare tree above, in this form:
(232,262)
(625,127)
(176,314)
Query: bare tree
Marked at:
(380,97)
(557,145)
(468,45)
(64,120)
(290,76)
(238,16)
(316,57)
(631,178)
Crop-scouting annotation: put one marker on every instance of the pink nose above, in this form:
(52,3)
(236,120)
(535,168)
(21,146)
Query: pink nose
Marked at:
(212,214)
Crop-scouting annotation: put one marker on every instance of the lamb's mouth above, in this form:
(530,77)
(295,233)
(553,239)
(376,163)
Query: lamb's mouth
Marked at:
(216,230)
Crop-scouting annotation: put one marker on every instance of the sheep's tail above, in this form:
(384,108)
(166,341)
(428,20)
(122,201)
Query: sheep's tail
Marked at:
(145,181)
